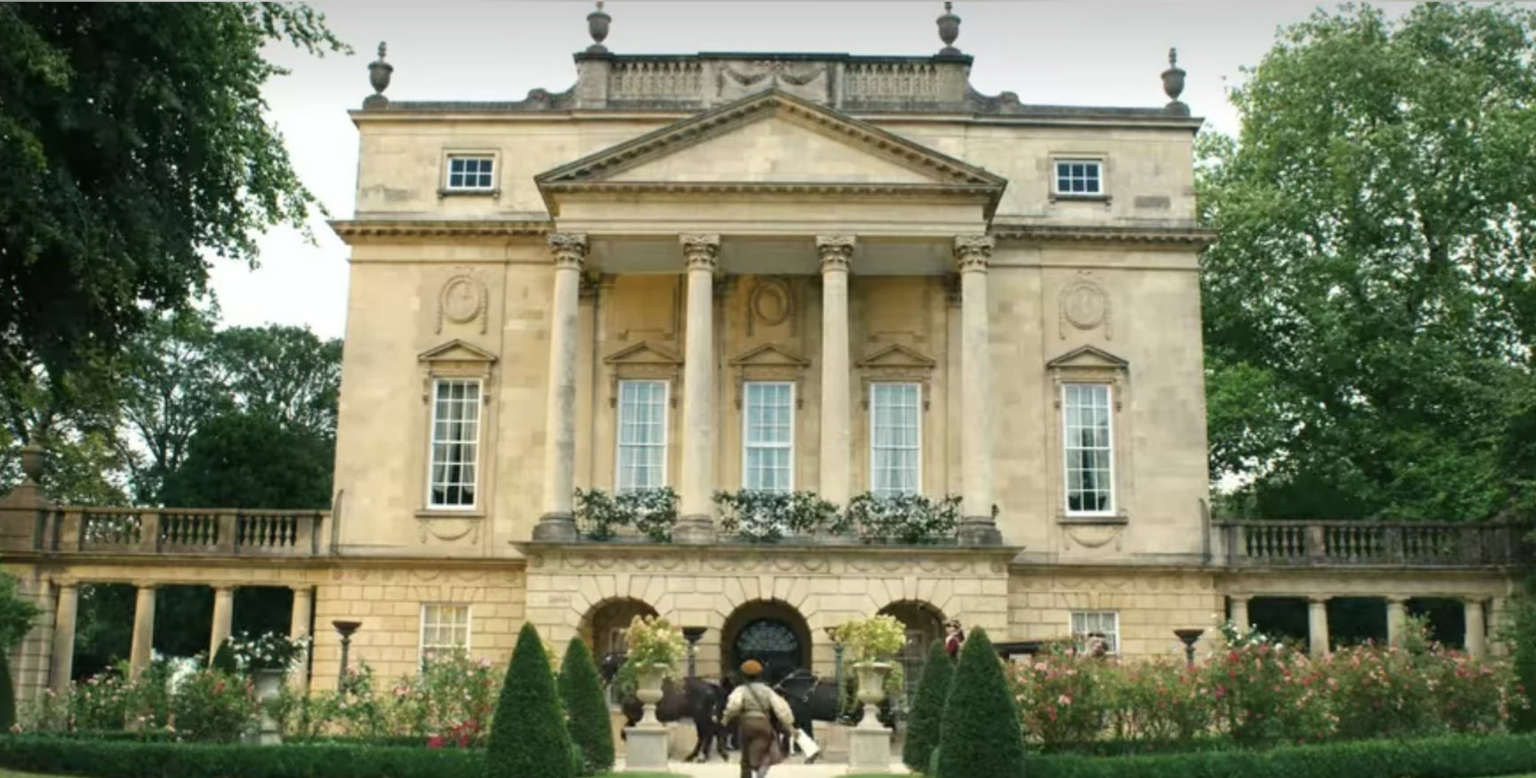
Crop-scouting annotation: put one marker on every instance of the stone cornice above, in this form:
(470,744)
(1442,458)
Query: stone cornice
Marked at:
(352,229)
(1184,237)
(533,550)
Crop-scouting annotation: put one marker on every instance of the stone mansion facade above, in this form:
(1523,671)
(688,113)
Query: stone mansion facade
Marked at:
(850,276)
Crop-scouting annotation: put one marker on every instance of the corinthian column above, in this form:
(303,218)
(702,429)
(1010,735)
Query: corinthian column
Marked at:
(836,257)
(558,523)
(696,524)
(977,527)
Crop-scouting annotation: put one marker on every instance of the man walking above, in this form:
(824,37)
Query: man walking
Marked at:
(763,714)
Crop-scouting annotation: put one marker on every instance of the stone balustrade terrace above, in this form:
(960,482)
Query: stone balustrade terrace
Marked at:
(1272,544)
(177,531)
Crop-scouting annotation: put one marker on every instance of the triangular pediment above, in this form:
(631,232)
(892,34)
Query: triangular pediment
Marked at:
(456,351)
(770,355)
(1088,357)
(773,139)
(644,353)
(896,356)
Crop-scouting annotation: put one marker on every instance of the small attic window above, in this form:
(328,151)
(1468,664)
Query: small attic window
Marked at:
(471,173)
(1079,178)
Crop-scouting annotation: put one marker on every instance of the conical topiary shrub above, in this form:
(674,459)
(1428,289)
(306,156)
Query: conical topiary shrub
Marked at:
(923,727)
(7,694)
(981,733)
(585,707)
(528,735)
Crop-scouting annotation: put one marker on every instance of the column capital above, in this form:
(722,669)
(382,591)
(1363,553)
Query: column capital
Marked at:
(224,587)
(1318,599)
(306,590)
(66,583)
(974,252)
(568,248)
(836,251)
(701,252)
(1475,599)
(1398,599)
(150,585)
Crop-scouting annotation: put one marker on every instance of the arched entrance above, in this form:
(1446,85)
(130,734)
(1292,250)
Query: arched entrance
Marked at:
(924,624)
(770,631)
(604,626)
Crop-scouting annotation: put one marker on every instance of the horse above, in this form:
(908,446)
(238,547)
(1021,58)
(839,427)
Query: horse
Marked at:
(695,699)
(813,698)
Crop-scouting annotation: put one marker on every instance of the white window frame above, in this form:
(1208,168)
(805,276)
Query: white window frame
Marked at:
(874,436)
(432,442)
(1087,159)
(1067,448)
(421,634)
(618,437)
(746,430)
(1112,634)
(487,156)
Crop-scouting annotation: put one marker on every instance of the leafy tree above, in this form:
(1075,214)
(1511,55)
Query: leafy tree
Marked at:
(136,146)
(581,690)
(528,733)
(1369,307)
(981,733)
(246,460)
(285,373)
(927,721)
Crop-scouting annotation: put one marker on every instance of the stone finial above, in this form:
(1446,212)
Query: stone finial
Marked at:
(597,26)
(1173,85)
(949,30)
(379,72)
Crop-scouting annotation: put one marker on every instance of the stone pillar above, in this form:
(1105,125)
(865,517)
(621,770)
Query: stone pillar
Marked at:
(298,627)
(1477,628)
(558,522)
(1397,620)
(1240,613)
(223,618)
(977,526)
(143,631)
(696,520)
(1498,622)
(64,636)
(836,448)
(1317,626)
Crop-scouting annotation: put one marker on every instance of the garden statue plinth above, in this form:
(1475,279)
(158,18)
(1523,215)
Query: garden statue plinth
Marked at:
(869,750)
(645,748)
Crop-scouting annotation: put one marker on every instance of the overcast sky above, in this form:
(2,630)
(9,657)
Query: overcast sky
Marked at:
(1078,53)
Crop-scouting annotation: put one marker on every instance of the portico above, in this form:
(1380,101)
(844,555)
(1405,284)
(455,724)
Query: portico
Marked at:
(770,186)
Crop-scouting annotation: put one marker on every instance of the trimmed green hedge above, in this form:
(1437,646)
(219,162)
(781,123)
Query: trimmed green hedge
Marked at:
(927,719)
(582,690)
(123,759)
(1449,757)
(981,734)
(529,738)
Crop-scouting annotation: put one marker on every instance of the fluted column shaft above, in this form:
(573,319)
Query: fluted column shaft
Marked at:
(1397,620)
(1240,618)
(696,522)
(143,631)
(64,637)
(223,618)
(569,251)
(298,627)
(1477,629)
(977,526)
(836,260)
(1317,626)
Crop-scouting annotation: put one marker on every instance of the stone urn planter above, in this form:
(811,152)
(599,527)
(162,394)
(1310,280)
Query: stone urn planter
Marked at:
(648,692)
(269,686)
(872,691)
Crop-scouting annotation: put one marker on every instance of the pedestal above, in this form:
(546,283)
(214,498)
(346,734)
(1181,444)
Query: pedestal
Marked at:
(645,749)
(269,686)
(869,750)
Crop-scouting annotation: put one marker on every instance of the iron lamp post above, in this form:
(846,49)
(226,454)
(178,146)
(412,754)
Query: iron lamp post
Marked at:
(692,635)
(1189,638)
(345,630)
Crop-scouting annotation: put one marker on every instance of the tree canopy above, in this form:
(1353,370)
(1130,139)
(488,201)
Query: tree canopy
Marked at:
(1370,304)
(136,145)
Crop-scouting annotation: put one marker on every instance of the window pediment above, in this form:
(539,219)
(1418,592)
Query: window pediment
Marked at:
(1089,364)
(896,363)
(642,361)
(1088,357)
(770,362)
(454,359)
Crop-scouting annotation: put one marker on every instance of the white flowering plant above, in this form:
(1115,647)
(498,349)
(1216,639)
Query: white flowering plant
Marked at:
(268,651)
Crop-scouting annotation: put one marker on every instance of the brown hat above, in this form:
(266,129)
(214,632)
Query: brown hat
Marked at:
(751,668)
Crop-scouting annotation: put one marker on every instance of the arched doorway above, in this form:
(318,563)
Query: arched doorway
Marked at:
(770,631)
(924,624)
(604,626)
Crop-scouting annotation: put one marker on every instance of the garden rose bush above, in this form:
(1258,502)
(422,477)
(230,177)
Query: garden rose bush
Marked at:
(1254,691)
